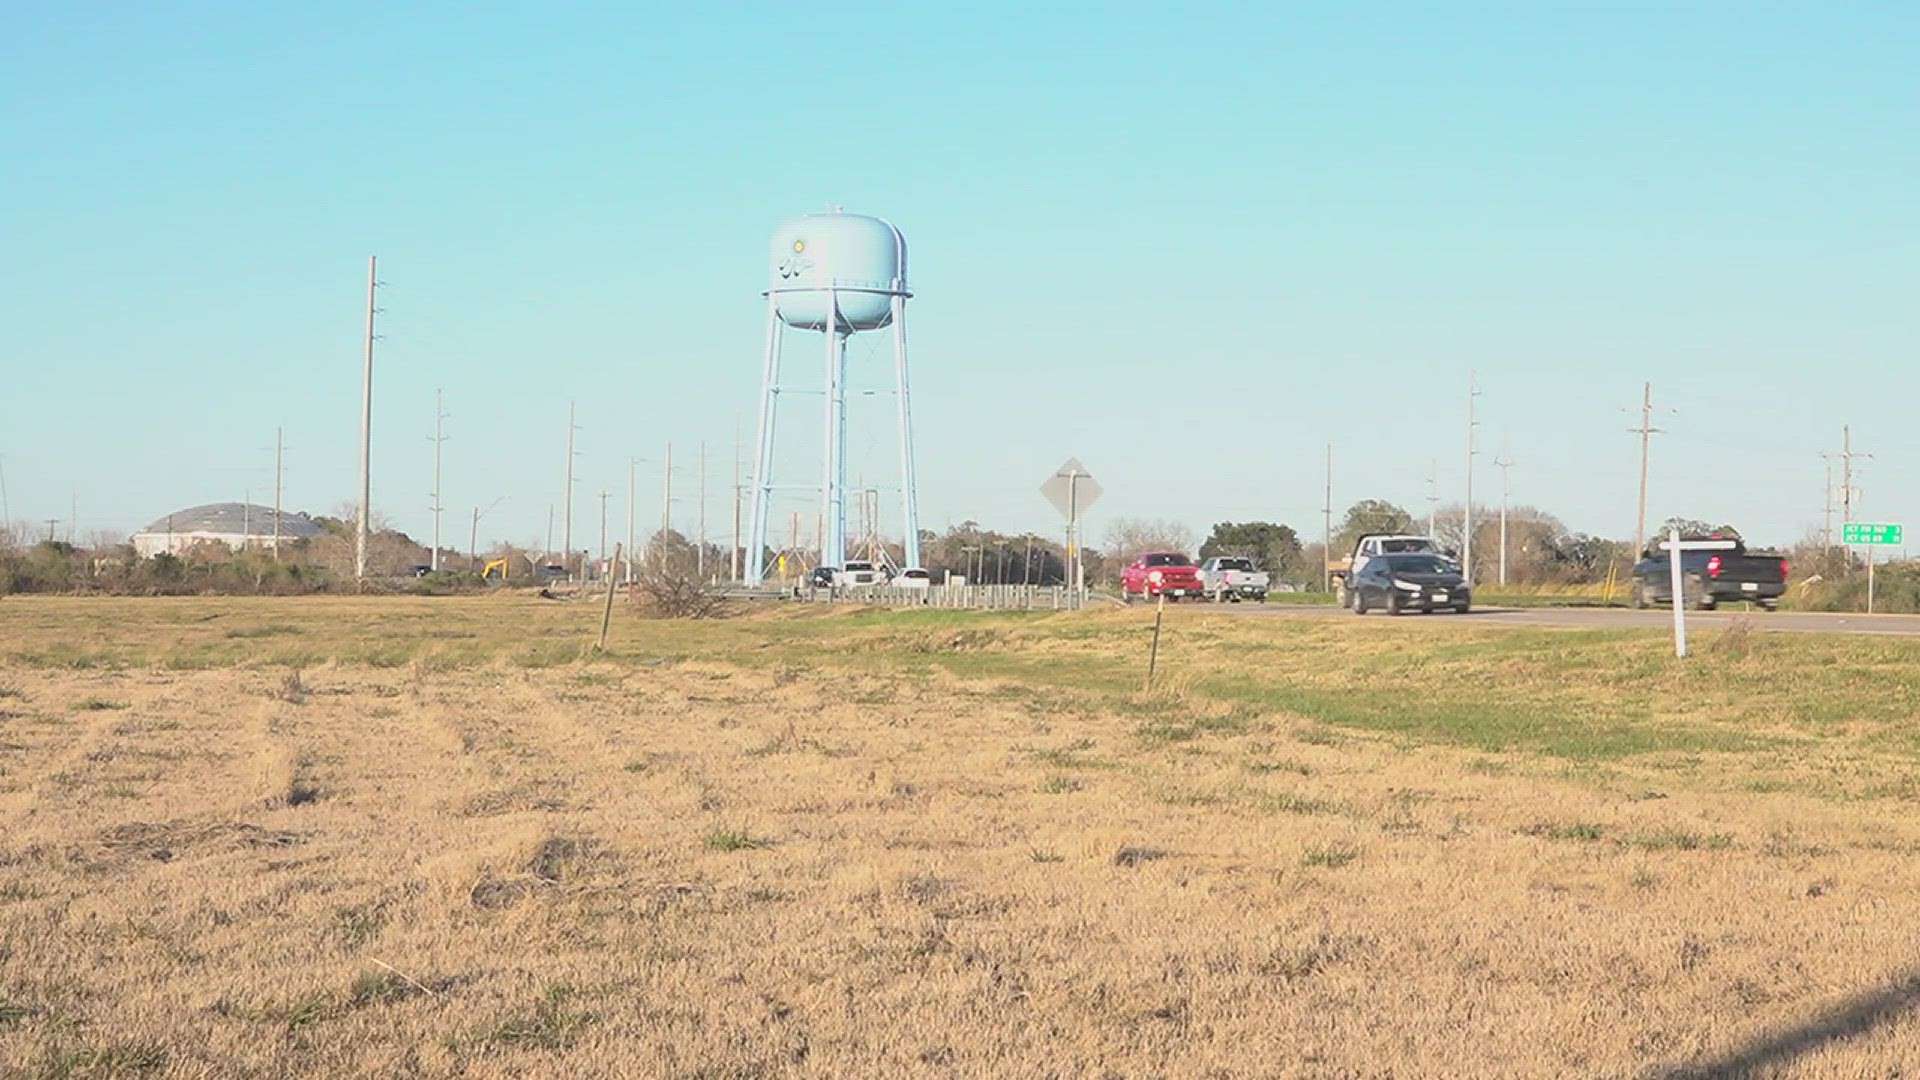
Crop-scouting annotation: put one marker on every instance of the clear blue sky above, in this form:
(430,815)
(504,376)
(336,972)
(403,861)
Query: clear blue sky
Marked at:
(1189,244)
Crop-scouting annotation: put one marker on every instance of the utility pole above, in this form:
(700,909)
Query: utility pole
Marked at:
(439,414)
(1506,488)
(6,508)
(666,493)
(1646,431)
(1326,561)
(733,560)
(549,548)
(473,538)
(603,524)
(51,522)
(700,552)
(566,514)
(632,464)
(279,451)
(1466,543)
(1827,531)
(1847,490)
(1433,495)
(1847,454)
(360,527)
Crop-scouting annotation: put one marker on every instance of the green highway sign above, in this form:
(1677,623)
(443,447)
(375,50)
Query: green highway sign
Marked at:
(1859,532)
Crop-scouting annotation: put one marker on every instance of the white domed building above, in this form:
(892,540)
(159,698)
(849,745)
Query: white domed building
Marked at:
(236,525)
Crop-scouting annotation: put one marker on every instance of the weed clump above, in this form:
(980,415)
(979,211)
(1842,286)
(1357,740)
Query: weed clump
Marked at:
(734,840)
(291,689)
(1130,855)
(94,704)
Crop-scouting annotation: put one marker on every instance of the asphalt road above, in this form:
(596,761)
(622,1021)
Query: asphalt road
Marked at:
(1788,622)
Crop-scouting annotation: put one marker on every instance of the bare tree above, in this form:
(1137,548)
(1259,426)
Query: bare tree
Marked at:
(1127,538)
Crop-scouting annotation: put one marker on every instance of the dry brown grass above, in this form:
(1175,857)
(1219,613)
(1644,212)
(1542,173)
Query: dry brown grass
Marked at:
(433,838)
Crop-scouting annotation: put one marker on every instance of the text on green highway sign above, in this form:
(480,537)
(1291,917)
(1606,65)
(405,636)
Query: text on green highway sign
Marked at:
(1859,532)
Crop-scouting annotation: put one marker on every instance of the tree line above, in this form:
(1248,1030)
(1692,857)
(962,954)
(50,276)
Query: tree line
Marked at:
(1540,551)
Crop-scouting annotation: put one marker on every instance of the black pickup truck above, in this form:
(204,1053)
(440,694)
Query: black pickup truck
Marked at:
(1726,571)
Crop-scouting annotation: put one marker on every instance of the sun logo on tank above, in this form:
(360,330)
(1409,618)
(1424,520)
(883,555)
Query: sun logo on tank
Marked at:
(796,264)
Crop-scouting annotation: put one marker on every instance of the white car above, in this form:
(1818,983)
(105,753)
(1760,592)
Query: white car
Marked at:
(859,575)
(913,577)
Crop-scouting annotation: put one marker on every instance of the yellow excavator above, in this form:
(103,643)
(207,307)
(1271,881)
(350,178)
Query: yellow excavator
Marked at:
(487,572)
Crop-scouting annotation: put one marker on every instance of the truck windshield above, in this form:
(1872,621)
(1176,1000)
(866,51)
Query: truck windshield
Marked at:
(1419,564)
(1236,564)
(1391,546)
(1168,560)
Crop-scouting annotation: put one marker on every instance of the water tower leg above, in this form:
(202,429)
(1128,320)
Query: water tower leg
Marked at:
(763,451)
(833,548)
(909,486)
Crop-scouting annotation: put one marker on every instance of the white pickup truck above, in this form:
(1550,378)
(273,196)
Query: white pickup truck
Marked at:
(1232,577)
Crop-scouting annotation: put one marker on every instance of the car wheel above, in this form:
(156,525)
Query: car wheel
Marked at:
(1356,601)
(1769,605)
(1462,609)
(1395,606)
(1641,599)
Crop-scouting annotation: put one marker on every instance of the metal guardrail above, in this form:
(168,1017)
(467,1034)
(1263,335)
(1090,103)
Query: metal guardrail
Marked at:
(955,597)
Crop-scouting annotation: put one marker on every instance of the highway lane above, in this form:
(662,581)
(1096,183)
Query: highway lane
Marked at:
(1786,622)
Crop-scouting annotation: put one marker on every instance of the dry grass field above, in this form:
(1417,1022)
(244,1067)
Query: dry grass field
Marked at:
(413,837)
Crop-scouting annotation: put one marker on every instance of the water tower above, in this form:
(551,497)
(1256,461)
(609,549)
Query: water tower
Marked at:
(836,274)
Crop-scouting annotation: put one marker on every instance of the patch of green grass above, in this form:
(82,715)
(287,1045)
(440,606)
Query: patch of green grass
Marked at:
(94,704)
(381,988)
(359,924)
(1267,766)
(1330,856)
(551,1025)
(1578,830)
(1288,803)
(1161,732)
(1040,856)
(13,1012)
(1061,785)
(734,840)
(1482,766)
(1674,838)
(267,630)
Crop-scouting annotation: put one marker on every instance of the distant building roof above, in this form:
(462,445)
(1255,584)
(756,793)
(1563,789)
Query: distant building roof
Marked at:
(234,519)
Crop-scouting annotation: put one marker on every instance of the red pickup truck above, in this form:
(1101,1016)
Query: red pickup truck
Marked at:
(1161,573)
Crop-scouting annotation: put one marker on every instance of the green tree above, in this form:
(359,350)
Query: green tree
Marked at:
(1273,547)
(1370,516)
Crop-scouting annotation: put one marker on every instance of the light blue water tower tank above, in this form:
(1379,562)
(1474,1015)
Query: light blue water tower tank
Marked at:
(862,259)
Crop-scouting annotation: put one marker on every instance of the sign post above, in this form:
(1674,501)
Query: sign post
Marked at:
(1870,535)
(1072,490)
(1676,549)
